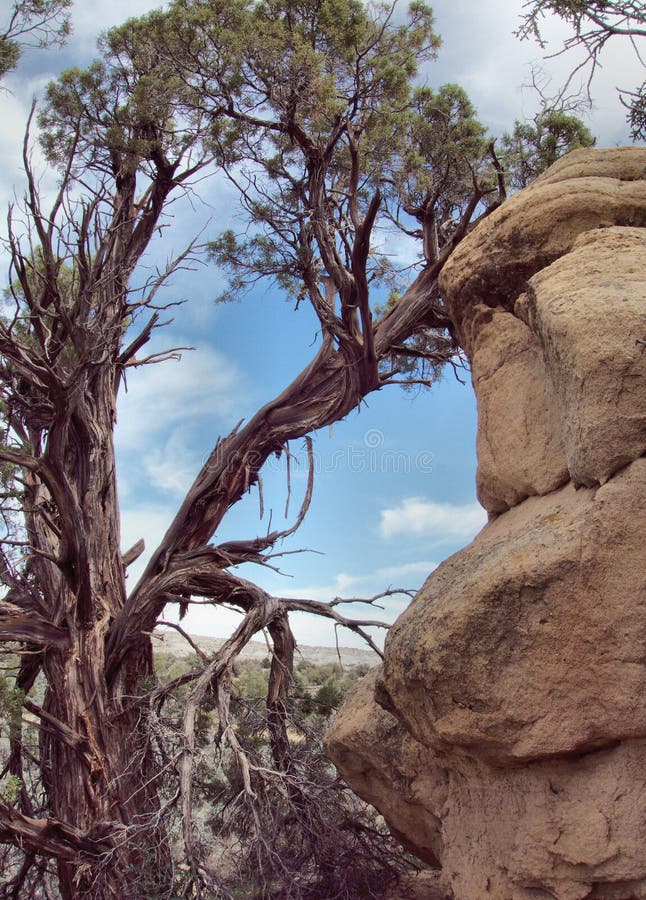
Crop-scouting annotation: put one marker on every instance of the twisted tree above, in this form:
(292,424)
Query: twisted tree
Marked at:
(322,131)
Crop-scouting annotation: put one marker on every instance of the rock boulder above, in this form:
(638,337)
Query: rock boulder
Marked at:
(504,738)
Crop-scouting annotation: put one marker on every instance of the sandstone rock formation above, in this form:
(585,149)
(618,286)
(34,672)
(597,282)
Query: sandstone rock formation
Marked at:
(504,738)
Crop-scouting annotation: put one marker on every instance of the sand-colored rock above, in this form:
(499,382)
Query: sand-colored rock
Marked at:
(562,828)
(531,642)
(505,735)
(423,885)
(539,225)
(588,313)
(623,163)
(396,773)
(565,828)
(563,397)
(519,444)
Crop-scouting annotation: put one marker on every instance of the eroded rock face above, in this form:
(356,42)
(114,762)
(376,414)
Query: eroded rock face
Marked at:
(385,762)
(588,312)
(562,398)
(500,649)
(584,191)
(519,441)
(505,735)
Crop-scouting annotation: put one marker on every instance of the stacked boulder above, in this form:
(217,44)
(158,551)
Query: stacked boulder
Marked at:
(504,738)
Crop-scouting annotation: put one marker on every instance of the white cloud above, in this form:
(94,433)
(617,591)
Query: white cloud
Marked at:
(481,52)
(14,112)
(406,570)
(169,419)
(342,585)
(165,395)
(317,631)
(171,466)
(440,522)
(213,621)
(151,522)
(12,133)
(312,631)
(361,585)
(309,631)
(148,521)
(89,18)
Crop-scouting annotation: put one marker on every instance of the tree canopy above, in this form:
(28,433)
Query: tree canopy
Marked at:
(532,147)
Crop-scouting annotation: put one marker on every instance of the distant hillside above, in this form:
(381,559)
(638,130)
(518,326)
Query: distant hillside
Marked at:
(169,641)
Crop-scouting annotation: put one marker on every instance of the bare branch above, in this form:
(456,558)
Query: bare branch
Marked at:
(50,837)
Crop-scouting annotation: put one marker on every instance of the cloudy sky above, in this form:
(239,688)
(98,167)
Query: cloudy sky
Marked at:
(394,491)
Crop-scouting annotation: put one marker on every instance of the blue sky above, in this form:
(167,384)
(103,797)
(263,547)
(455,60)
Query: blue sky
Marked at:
(394,490)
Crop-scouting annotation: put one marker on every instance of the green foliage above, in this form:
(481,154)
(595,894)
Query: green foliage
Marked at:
(311,124)
(32,23)
(131,111)
(443,145)
(168,666)
(309,55)
(10,787)
(328,79)
(532,148)
(251,681)
(328,697)
(441,161)
(117,118)
(9,55)
(10,707)
(302,835)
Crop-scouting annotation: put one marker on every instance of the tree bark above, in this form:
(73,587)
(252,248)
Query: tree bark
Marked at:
(93,731)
